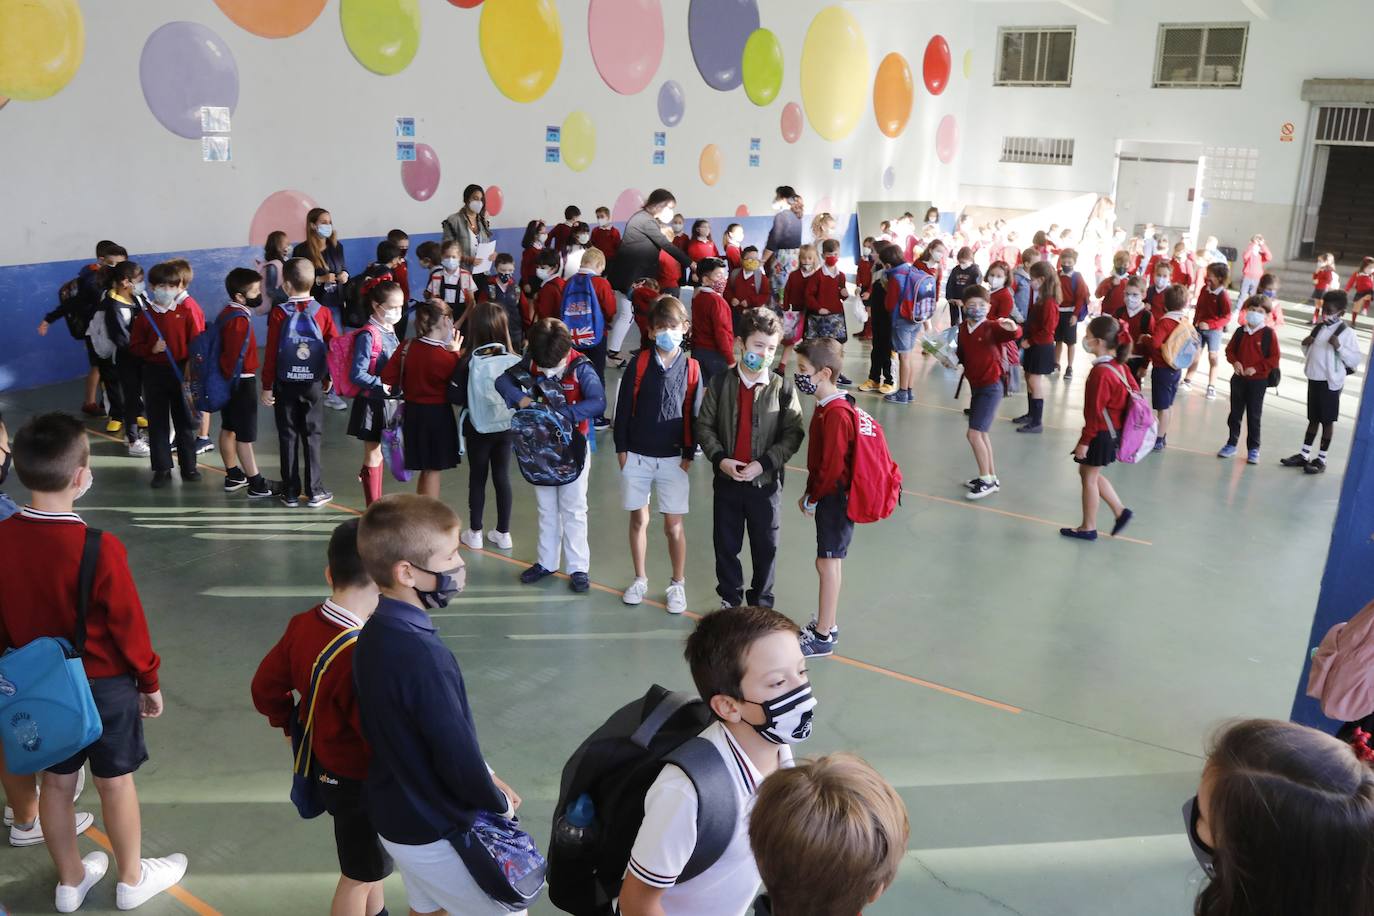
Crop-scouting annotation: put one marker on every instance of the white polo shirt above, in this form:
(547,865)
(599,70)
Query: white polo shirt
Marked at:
(669,834)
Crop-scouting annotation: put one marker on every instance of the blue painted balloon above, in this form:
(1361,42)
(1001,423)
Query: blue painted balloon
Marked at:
(717,31)
(671,103)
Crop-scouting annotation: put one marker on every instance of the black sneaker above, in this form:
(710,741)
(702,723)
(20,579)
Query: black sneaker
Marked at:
(1068,374)
(1022,420)
(1294,461)
(235,480)
(844,381)
(1315,466)
(969,484)
(579,582)
(534,574)
(191,476)
(814,645)
(602,423)
(260,488)
(290,501)
(1030,428)
(161,479)
(319,498)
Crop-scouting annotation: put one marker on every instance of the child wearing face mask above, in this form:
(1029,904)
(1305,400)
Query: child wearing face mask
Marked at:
(1253,353)
(275,252)
(1332,352)
(161,337)
(713,342)
(748,287)
(505,292)
(531,247)
(184,270)
(746,666)
(1269,285)
(238,363)
(669,270)
(1002,304)
(701,246)
(966,273)
(863,283)
(373,346)
(1211,315)
(1037,345)
(558,376)
(590,331)
(1139,322)
(427,767)
(1159,285)
(450,284)
(605,236)
(679,228)
(123,300)
(643,294)
(981,351)
(1022,284)
(1111,292)
(1073,308)
(419,374)
(825,300)
(385,268)
(734,238)
(794,300)
(548,298)
(41,548)
(559,235)
(1362,282)
(578,240)
(1323,278)
(1106,399)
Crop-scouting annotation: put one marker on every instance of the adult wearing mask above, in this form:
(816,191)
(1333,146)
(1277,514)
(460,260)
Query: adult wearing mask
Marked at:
(323,249)
(637,258)
(469,227)
(784,240)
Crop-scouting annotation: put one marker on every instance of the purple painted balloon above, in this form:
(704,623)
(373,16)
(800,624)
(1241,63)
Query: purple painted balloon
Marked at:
(630,202)
(717,30)
(889,178)
(671,103)
(184,67)
(420,176)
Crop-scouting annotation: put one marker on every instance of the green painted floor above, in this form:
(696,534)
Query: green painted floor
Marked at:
(1111,662)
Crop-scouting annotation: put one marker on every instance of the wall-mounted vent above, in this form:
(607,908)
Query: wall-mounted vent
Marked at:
(1200,55)
(1346,126)
(1035,57)
(1038,150)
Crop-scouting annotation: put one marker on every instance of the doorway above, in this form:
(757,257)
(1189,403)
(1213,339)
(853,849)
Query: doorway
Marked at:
(1157,183)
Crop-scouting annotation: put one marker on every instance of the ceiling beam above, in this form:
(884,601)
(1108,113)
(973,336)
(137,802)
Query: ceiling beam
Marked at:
(1257,7)
(1101,10)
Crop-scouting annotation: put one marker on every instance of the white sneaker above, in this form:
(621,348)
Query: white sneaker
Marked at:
(69,899)
(139,448)
(471,539)
(33,835)
(80,786)
(677,597)
(501,539)
(636,592)
(158,875)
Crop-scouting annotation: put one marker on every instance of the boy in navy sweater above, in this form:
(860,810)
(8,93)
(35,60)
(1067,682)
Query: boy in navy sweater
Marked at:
(427,779)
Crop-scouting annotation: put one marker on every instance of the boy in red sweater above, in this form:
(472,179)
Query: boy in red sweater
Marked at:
(643,294)
(161,339)
(830,469)
(982,349)
(1164,378)
(1112,290)
(605,236)
(1323,278)
(548,301)
(280,690)
(1159,285)
(1253,354)
(1211,315)
(863,280)
(713,336)
(238,363)
(40,556)
(749,287)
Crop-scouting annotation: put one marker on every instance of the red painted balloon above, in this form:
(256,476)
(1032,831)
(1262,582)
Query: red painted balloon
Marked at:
(495,198)
(935,65)
(466,4)
(742,210)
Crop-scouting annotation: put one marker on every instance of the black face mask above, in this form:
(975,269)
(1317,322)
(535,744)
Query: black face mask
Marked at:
(447,586)
(5,467)
(253,301)
(1201,851)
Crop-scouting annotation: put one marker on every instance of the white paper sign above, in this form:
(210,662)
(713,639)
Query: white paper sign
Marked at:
(483,253)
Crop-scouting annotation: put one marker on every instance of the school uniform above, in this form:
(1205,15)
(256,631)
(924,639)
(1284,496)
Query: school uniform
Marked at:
(960,279)
(794,297)
(733,257)
(1154,298)
(653,428)
(1106,394)
(826,293)
(548,302)
(372,411)
(1247,347)
(529,263)
(1140,327)
(519,315)
(298,407)
(751,289)
(1074,302)
(558,236)
(166,400)
(423,784)
(240,415)
(1041,327)
(1323,278)
(119,315)
(669,271)
(700,249)
(713,335)
(1363,287)
(1211,315)
(1332,353)
(431,432)
(1183,271)
(642,299)
(1112,292)
(759,420)
(337,741)
(488,454)
(606,240)
(830,468)
(981,350)
(456,290)
(1163,377)
(1252,268)
(40,555)
(880,324)
(668,834)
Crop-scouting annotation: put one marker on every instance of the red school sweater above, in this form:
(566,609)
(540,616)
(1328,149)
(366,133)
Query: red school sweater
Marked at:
(712,324)
(794,294)
(1001,304)
(1212,312)
(606,240)
(237,327)
(981,350)
(1105,391)
(548,302)
(1042,321)
(40,557)
(178,326)
(826,293)
(1247,348)
(830,447)
(1112,292)
(750,292)
(428,365)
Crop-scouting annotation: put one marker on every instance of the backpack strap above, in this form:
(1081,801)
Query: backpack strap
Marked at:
(1266,342)
(717,808)
(85,581)
(641,366)
(693,382)
(400,392)
(171,361)
(332,650)
(673,702)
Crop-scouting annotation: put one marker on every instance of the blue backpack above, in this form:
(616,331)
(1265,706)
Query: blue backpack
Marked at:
(301,352)
(582,312)
(47,713)
(549,447)
(210,390)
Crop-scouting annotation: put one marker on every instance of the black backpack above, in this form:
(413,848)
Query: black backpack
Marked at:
(1266,347)
(615,766)
(78,298)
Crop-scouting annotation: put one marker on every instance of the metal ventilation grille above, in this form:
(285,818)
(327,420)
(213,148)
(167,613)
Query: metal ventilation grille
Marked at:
(1345,126)
(1035,57)
(1206,56)
(1038,150)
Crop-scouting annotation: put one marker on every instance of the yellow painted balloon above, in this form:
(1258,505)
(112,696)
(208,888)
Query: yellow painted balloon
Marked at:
(968,64)
(522,46)
(41,46)
(383,35)
(834,73)
(709,164)
(579,140)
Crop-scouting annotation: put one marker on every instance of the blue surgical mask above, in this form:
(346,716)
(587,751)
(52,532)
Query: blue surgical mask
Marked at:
(805,384)
(975,314)
(1268,292)
(1254,319)
(668,339)
(755,362)
(164,295)
(140,287)
(324,230)
(450,264)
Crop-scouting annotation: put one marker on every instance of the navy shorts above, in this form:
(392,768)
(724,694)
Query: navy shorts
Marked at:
(361,855)
(1067,330)
(1163,387)
(1212,338)
(983,407)
(834,530)
(1323,404)
(240,415)
(120,749)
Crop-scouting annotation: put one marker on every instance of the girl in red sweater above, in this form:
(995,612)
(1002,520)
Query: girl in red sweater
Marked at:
(713,336)
(734,239)
(794,302)
(1038,342)
(825,301)
(1105,402)
(419,373)
(702,246)
(1363,283)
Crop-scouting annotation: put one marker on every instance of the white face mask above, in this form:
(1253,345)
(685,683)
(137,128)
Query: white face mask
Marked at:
(997,282)
(779,206)
(543,273)
(604,222)
(665,216)
(475,206)
(84,488)
(391,316)
(1133,304)
(555,372)
(450,265)
(583,238)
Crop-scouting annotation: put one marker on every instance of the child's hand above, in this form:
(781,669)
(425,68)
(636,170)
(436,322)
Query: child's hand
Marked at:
(43,329)
(150,704)
(621,456)
(1237,368)
(327,278)
(801,504)
(1249,372)
(750,471)
(268,399)
(523,403)
(1081,452)
(160,346)
(1006,324)
(515,800)
(343,276)
(686,464)
(731,468)
(456,343)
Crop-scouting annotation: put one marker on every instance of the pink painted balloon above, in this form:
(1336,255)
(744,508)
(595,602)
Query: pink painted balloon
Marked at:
(627,205)
(284,210)
(935,65)
(947,139)
(825,205)
(420,176)
(626,38)
(742,210)
(496,200)
(791,122)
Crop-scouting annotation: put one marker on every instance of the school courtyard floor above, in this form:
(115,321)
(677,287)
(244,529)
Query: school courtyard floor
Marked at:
(1041,704)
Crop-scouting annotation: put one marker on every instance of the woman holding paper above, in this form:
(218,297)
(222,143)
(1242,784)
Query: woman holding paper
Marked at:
(470,228)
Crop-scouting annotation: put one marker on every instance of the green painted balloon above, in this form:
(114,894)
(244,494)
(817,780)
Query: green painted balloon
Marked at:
(762,67)
(383,35)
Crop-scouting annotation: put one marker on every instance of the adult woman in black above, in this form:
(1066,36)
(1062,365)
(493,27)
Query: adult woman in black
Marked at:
(323,249)
(470,227)
(784,239)
(638,255)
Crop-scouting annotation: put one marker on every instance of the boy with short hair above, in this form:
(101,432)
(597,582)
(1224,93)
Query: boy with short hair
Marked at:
(1073,308)
(1332,352)
(382,270)
(828,835)
(750,424)
(1211,315)
(83,305)
(294,380)
(605,237)
(280,688)
(749,287)
(746,665)
(238,419)
(548,301)
(1164,378)
(713,338)
(830,470)
(187,274)
(426,779)
(660,394)
(559,235)
(504,290)
(981,349)
(579,396)
(400,271)
(52,458)
(1253,353)
(902,283)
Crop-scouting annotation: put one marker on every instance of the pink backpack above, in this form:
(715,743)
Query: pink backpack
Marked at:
(1342,677)
(1140,429)
(341,359)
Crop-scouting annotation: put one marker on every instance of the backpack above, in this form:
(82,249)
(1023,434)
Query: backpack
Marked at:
(876,488)
(1342,675)
(270,272)
(45,697)
(1140,428)
(918,295)
(581,312)
(74,301)
(340,359)
(689,400)
(1182,346)
(301,355)
(210,390)
(1266,348)
(549,447)
(1075,281)
(98,333)
(486,409)
(613,770)
(306,774)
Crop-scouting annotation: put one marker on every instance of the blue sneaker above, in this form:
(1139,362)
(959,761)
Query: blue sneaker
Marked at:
(1252,456)
(813,645)
(1227,451)
(899,397)
(579,582)
(534,574)
(1159,445)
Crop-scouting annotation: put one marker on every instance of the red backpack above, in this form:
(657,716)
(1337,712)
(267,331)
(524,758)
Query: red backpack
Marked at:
(876,489)
(693,380)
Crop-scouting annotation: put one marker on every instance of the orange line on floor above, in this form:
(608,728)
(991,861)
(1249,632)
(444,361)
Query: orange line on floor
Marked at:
(187,899)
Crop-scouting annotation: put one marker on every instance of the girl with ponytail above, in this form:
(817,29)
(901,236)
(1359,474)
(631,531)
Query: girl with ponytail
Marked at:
(1105,402)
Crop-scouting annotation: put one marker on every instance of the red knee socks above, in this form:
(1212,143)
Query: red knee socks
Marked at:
(371,478)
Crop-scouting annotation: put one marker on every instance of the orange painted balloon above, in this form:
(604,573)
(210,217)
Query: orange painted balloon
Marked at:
(709,164)
(272,18)
(893,92)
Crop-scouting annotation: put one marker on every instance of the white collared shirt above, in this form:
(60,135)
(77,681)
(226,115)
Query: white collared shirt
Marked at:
(338,614)
(38,515)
